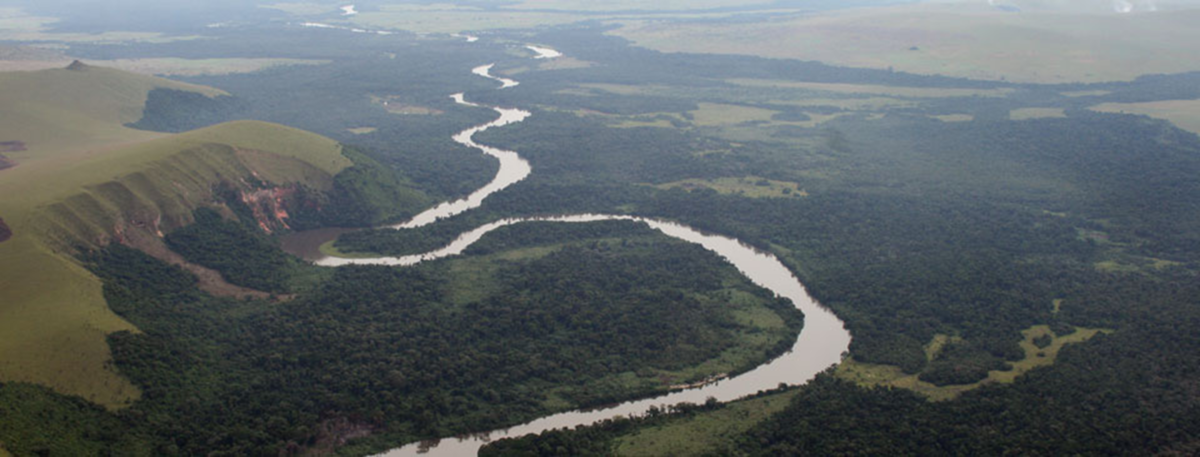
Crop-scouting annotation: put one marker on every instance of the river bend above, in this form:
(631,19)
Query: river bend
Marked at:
(819,346)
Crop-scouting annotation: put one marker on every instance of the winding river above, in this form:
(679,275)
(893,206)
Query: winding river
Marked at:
(820,344)
(513,168)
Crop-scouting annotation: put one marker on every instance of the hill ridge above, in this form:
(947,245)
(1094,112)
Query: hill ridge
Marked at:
(54,320)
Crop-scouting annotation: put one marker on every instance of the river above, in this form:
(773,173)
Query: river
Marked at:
(819,346)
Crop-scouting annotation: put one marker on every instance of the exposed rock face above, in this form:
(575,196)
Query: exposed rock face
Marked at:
(269,207)
(5,232)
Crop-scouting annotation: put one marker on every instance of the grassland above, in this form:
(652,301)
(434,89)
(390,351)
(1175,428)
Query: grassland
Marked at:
(59,110)
(954,117)
(967,40)
(84,176)
(892,91)
(1086,93)
(747,186)
(714,114)
(302,8)
(1123,263)
(451,18)
(1185,114)
(702,433)
(1024,114)
(395,105)
(732,117)
(446,18)
(887,375)
(17,25)
(643,121)
(625,89)
(868,104)
(167,66)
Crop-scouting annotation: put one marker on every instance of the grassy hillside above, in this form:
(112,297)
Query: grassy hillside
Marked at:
(62,110)
(85,179)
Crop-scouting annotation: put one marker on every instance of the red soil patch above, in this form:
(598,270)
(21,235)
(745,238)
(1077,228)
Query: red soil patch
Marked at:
(5,232)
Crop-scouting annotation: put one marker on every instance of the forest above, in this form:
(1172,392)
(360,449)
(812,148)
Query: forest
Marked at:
(394,352)
(908,227)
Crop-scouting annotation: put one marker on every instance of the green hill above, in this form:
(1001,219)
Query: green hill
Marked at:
(85,180)
(61,110)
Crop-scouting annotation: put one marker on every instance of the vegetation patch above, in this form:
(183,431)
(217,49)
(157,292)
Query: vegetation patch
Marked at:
(242,254)
(5,232)
(625,89)
(35,421)
(448,18)
(172,66)
(23,27)
(565,63)
(746,186)
(926,38)
(849,102)
(873,89)
(301,8)
(705,433)
(362,130)
(1085,93)
(641,121)
(717,114)
(954,117)
(1124,263)
(1183,113)
(394,105)
(1040,345)
(1024,114)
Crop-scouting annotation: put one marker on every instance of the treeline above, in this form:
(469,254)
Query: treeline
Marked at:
(174,111)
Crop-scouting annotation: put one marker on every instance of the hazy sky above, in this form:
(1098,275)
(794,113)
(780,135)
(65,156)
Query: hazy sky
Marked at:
(178,15)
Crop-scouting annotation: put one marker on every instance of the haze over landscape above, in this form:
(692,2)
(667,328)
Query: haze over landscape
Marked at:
(565,227)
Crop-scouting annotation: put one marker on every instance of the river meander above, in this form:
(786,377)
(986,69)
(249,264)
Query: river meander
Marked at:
(819,346)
